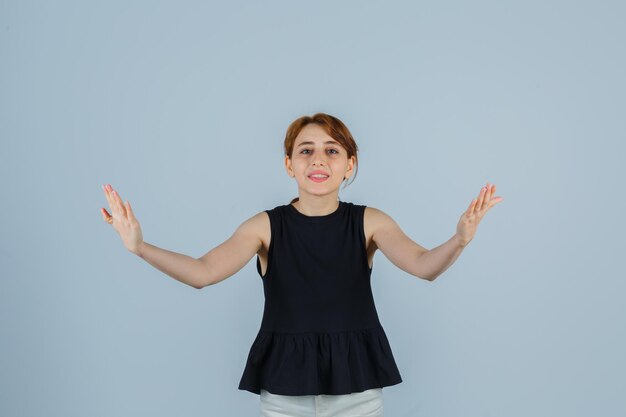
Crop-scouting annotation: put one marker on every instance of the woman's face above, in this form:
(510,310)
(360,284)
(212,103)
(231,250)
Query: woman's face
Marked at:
(315,150)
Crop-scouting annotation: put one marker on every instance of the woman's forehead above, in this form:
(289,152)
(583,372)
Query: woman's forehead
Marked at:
(313,134)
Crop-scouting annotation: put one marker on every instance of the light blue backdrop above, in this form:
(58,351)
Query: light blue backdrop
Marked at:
(183,107)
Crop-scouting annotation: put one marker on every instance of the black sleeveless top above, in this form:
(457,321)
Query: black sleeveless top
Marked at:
(320,332)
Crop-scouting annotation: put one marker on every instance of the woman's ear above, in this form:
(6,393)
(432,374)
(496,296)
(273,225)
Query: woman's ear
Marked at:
(288,166)
(350,169)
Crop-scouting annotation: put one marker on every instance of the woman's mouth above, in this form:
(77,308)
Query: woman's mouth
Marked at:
(318,178)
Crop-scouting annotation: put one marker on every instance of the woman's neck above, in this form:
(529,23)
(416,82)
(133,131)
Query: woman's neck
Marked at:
(316,207)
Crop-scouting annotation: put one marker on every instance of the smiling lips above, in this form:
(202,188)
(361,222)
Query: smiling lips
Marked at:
(318,176)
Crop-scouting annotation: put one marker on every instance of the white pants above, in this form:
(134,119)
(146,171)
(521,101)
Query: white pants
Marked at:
(368,403)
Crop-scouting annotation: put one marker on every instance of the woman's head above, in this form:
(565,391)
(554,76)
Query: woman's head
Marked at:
(320,142)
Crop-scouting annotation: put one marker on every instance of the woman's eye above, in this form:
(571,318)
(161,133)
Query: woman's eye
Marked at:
(333,151)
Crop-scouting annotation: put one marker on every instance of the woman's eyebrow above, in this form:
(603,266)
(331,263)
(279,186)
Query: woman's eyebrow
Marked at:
(328,142)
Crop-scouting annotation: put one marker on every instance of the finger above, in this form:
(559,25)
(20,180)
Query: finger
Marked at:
(470,209)
(487,199)
(111,199)
(106,216)
(106,194)
(119,207)
(129,210)
(113,202)
(481,198)
(494,199)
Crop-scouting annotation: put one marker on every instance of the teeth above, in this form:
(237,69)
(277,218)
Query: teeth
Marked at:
(319,176)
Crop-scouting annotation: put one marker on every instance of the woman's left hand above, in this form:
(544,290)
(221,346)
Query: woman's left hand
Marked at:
(466,228)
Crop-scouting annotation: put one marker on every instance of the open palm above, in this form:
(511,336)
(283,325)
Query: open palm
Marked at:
(122,219)
(466,228)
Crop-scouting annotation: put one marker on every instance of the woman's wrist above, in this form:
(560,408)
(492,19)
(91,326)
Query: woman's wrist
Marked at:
(138,250)
(462,242)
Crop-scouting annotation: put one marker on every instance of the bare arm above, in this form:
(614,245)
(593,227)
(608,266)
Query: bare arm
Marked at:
(407,255)
(401,250)
(225,260)
(181,267)
(215,266)
(437,260)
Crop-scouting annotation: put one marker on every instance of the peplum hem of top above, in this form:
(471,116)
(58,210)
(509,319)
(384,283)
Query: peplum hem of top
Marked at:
(314,363)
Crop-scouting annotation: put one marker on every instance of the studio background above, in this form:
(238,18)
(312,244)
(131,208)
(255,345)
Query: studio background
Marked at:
(183,107)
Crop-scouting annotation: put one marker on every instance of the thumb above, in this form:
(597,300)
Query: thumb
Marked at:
(105,214)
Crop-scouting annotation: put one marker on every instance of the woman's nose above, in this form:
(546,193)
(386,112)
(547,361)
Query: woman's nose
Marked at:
(319,161)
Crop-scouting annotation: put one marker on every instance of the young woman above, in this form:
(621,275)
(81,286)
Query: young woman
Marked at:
(321,349)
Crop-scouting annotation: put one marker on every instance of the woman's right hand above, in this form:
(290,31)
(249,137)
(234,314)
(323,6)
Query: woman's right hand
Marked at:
(123,220)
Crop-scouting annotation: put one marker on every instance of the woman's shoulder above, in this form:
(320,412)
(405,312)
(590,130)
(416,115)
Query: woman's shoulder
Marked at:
(375,219)
(258,224)
(372,212)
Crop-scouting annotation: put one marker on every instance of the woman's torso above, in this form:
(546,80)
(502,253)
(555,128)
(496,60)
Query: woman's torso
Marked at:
(320,332)
(265,234)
